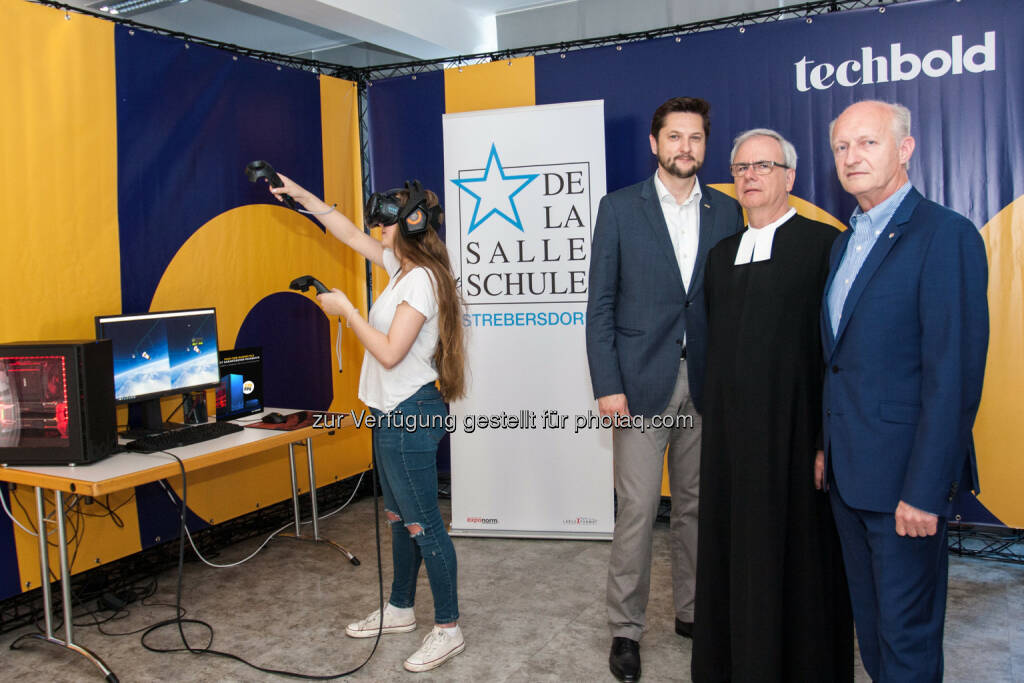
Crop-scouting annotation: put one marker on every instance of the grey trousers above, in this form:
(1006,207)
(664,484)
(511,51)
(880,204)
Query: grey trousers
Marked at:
(638,457)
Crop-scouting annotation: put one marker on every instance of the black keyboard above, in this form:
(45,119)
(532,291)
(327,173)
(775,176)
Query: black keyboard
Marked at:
(186,436)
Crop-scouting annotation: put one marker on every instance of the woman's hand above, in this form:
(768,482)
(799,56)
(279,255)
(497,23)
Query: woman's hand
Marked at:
(335,302)
(291,188)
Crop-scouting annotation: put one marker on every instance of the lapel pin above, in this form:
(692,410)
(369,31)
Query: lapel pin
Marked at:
(707,206)
(891,235)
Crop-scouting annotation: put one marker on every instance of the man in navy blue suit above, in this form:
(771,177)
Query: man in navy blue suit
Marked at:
(905,333)
(646,339)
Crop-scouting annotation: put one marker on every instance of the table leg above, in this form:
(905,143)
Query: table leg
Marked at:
(44,563)
(316,538)
(295,490)
(312,490)
(65,583)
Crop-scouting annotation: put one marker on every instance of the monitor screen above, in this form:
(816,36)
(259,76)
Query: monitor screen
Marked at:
(162,353)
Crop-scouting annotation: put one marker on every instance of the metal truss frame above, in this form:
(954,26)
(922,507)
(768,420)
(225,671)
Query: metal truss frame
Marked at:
(987,542)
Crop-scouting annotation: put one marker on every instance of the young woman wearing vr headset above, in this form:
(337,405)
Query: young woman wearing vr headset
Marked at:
(413,338)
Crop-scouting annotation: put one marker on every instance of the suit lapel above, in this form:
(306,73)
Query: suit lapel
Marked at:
(705,238)
(890,235)
(659,229)
(838,249)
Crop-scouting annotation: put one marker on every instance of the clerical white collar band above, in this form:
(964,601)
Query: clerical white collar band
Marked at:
(756,243)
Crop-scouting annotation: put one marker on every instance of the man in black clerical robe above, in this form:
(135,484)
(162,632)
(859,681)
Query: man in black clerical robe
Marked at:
(772,602)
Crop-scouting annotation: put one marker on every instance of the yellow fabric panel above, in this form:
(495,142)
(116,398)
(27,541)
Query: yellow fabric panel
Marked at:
(93,536)
(802,206)
(343,172)
(57,136)
(665,490)
(495,85)
(61,252)
(343,183)
(380,276)
(268,245)
(999,431)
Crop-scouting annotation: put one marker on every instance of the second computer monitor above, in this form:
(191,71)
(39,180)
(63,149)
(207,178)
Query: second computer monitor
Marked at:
(161,353)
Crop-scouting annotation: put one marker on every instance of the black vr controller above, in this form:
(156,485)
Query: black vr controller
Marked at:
(262,169)
(305,282)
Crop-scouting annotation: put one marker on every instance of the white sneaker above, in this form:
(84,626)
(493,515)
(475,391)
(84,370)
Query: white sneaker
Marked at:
(396,620)
(438,647)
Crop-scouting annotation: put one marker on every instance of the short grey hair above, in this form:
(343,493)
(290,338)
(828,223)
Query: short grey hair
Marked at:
(900,122)
(788,150)
(900,118)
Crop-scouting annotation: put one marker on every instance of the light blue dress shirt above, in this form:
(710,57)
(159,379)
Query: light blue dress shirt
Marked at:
(866,229)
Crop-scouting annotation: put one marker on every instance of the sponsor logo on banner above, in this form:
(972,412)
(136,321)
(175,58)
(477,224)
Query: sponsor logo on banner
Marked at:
(524,230)
(482,520)
(897,65)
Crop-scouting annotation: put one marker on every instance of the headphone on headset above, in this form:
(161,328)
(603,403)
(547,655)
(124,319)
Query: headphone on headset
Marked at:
(413,218)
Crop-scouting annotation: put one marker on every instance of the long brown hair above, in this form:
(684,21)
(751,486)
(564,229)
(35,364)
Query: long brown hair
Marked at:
(428,251)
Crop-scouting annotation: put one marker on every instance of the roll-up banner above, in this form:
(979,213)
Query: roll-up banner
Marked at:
(522,187)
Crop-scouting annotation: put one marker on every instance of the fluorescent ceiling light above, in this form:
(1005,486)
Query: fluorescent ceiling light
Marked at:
(126,8)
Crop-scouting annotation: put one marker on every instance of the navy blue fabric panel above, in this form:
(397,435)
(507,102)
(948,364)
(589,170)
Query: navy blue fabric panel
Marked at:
(969,156)
(633,82)
(10,581)
(970,510)
(190,118)
(405,131)
(298,358)
(160,515)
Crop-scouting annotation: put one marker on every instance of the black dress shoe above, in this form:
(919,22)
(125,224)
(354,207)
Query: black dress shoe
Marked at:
(684,628)
(624,661)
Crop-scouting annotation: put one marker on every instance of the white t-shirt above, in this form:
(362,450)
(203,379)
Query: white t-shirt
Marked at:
(379,387)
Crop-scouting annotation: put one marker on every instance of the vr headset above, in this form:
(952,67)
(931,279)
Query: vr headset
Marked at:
(385,208)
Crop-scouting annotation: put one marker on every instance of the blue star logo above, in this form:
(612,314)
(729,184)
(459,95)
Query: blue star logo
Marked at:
(495,193)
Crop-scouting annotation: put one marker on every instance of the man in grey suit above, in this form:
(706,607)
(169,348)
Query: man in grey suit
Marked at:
(646,339)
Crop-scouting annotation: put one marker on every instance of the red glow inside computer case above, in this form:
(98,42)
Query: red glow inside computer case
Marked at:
(33,397)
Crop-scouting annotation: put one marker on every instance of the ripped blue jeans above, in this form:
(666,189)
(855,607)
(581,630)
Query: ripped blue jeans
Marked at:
(405,449)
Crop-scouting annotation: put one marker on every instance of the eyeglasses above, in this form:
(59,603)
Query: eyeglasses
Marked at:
(760,167)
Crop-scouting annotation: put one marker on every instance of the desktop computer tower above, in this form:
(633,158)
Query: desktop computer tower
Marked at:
(56,402)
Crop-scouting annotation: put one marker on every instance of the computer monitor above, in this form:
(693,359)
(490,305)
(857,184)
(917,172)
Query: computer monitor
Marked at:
(159,354)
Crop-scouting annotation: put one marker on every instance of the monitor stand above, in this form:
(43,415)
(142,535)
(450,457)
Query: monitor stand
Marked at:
(144,419)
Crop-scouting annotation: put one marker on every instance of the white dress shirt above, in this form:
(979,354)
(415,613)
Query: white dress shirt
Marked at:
(756,243)
(683,221)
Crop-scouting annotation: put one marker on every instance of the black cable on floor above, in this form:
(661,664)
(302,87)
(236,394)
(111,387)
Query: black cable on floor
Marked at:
(180,622)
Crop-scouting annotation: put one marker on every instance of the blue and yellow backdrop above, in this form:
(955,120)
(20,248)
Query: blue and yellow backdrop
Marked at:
(124,154)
